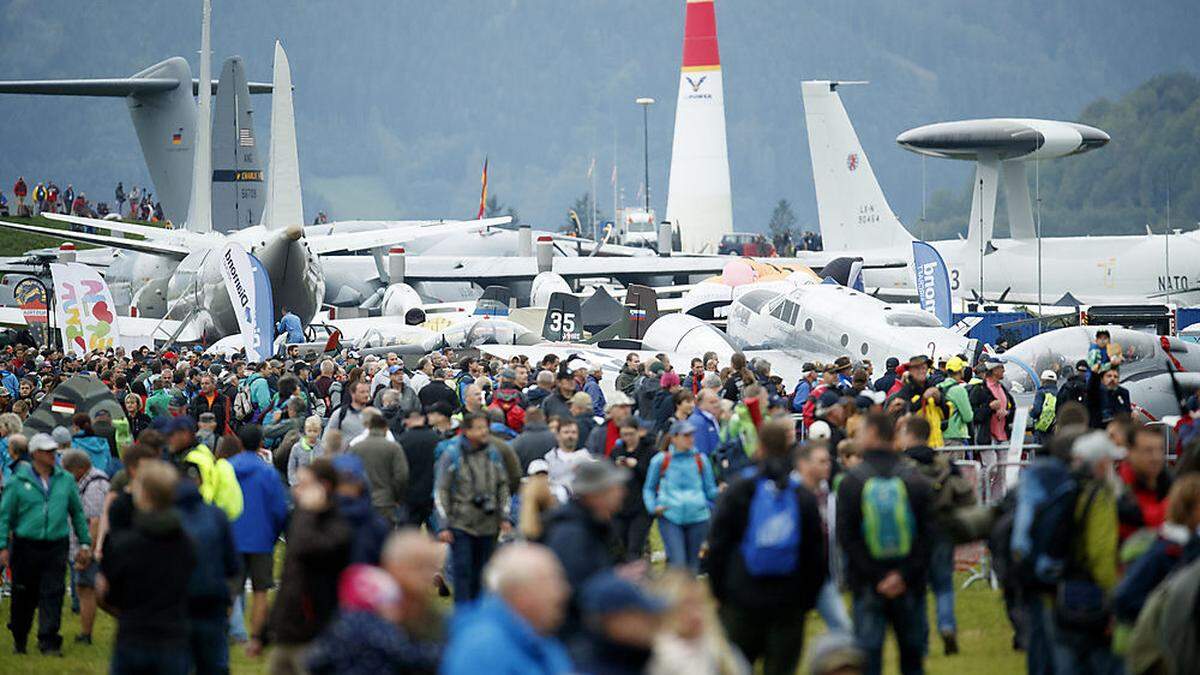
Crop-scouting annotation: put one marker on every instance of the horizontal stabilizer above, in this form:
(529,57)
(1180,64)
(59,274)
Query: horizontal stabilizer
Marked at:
(177,251)
(360,241)
(157,234)
(117,87)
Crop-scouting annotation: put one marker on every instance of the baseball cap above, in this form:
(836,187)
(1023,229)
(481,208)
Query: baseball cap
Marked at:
(181,423)
(618,398)
(1049,376)
(537,466)
(606,593)
(392,370)
(682,427)
(42,442)
(597,476)
(350,466)
(578,364)
(819,430)
(955,364)
(61,435)
(1095,446)
(808,368)
(179,401)
(656,366)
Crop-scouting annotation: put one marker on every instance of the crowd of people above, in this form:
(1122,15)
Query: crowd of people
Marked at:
(529,492)
(46,197)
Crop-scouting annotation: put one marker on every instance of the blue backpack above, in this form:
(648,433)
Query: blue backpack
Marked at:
(729,458)
(771,545)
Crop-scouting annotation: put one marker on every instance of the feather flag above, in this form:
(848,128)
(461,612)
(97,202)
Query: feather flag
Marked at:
(483,191)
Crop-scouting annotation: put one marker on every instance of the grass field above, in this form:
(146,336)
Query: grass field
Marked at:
(985,641)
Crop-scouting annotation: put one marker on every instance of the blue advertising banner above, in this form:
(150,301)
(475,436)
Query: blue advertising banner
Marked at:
(933,281)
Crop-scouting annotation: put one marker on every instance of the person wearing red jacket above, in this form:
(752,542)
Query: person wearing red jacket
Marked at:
(1144,474)
(20,190)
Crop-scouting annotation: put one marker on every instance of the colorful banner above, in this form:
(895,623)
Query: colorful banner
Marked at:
(83,308)
(30,294)
(933,281)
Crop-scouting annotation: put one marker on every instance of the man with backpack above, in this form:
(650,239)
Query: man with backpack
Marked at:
(1045,403)
(472,502)
(766,559)
(885,527)
(960,414)
(950,492)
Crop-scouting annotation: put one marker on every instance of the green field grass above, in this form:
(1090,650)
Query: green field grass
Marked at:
(985,640)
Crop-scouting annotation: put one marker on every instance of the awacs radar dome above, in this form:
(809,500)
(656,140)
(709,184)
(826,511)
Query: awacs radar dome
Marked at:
(1002,138)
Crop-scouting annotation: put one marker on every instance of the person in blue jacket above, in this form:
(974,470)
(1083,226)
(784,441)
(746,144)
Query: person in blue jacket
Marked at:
(511,630)
(96,447)
(217,566)
(706,421)
(264,515)
(679,489)
(290,325)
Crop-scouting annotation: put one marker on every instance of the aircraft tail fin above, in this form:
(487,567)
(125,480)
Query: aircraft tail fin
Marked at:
(563,321)
(284,205)
(853,213)
(199,213)
(643,309)
(237,190)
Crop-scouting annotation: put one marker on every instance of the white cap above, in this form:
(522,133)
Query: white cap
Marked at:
(579,364)
(1049,376)
(618,398)
(537,466)
(42,442)
(819,430)
(1096,446)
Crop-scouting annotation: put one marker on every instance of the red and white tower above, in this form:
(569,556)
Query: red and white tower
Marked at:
(698,195)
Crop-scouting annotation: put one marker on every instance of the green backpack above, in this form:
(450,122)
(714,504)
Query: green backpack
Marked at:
(887,518)
(1045,419)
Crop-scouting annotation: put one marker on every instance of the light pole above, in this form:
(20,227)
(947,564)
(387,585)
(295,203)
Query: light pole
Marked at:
(646,102)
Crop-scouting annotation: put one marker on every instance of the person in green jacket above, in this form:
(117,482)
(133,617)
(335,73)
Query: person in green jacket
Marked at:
(40,505)
(954,391)
(158,401)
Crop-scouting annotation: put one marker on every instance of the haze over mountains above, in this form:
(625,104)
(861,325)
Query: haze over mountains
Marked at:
(398,102)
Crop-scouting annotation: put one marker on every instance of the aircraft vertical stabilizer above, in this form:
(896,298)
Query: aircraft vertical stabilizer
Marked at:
(698,195)
(238,193)
(851,208)
(199,218)
(284,206)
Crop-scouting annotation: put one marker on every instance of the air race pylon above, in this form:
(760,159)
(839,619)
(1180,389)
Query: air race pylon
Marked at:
(698,195)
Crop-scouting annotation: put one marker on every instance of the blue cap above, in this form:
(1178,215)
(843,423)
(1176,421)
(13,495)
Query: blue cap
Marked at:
(682,427)
(162,424)
(392,370)
(606,593)
(181,423)
(349,465)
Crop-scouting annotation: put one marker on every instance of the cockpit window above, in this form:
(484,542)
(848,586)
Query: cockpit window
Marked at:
(913,320)
(754,300)
(786,311)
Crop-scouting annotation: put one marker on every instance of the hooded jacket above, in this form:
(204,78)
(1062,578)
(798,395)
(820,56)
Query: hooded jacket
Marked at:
(686,490)
(30,511)
(960,413)
(97,449)
(219,484)
(264,504)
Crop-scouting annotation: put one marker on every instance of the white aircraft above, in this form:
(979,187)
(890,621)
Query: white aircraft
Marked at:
(183,266)
(855,215)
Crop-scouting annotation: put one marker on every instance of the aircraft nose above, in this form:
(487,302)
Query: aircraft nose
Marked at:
(293,232)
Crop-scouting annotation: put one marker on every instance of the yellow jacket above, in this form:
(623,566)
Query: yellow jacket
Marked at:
(218,483)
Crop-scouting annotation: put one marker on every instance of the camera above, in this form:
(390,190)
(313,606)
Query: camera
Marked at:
(484,503)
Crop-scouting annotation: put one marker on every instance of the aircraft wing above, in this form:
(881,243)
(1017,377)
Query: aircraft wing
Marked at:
(111,86)
(177,251)
(358,241)
(499,269)
(146,231)
(819,259)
